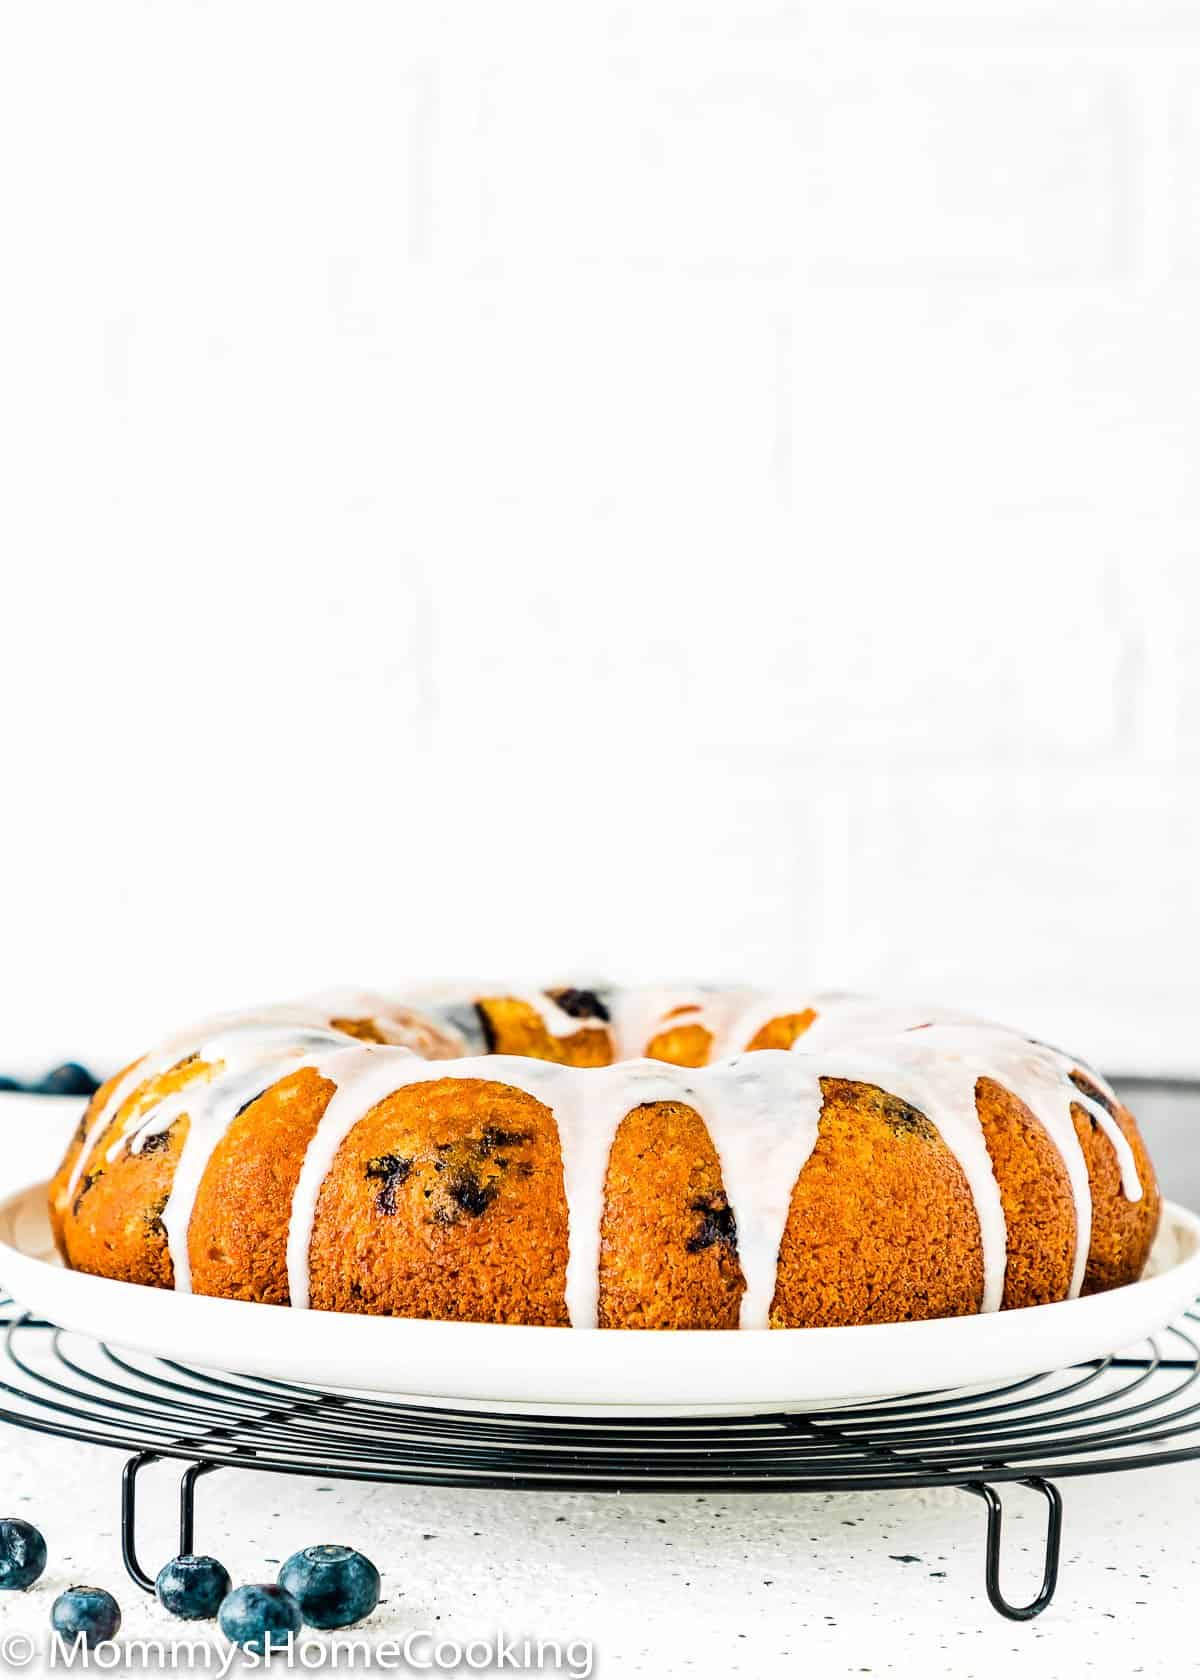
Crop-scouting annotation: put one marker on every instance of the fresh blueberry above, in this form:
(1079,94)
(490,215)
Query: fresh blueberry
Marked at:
(22,1554)
(68,1080)
(86,1613)
(260,1618)
(7,1084)
(333,1585)
(193,1587)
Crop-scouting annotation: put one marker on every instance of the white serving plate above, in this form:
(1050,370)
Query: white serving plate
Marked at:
(632,1369)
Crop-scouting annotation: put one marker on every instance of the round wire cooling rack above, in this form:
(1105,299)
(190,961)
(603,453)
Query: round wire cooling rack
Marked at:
(1119,1413)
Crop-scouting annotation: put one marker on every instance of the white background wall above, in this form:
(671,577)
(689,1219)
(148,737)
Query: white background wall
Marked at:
(674,488)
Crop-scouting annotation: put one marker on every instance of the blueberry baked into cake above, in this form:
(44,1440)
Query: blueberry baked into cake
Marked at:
(636,1158)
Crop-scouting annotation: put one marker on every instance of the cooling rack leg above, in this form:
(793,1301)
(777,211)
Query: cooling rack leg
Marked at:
(187,1512)
(995,1517)
(129,1518)
(187,1505)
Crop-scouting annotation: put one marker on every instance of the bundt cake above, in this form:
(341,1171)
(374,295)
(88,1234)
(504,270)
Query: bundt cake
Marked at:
(634,1158)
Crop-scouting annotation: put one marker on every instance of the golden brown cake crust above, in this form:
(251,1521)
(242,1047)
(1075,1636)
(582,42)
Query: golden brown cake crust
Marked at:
(882,1226)
(237,1238)
(112,1222)
(686,1045)
(1123,1232)
(668,1244)
(514,1028)
(59,1199)
(1036,1195)
(782,1031)
(446,1201)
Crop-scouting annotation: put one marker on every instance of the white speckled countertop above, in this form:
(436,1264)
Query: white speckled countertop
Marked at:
(662,1586)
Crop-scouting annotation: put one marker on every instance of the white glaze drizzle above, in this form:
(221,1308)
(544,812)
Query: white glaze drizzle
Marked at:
(208,1121)
(432,1035)
(639,1014)
(233,1040)
(554,1017)
(246,1057)
(752,1113)
(363,1076)
(761,1109)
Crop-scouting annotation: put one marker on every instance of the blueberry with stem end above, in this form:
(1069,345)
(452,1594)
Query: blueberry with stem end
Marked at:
(86,1614)
(193,1587)
(333,1585)
(260,1618)
(22,1554)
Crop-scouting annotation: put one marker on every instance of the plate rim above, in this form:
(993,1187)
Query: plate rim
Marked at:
(673,1357)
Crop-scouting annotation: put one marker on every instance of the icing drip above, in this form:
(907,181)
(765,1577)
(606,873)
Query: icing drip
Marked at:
(586,1127)
(232,1040)
(761,1109)
(434,1035)
(640,1013)
(762,1113)
(554,1018)
(208,1121)
(761,1132)
(364,1076)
